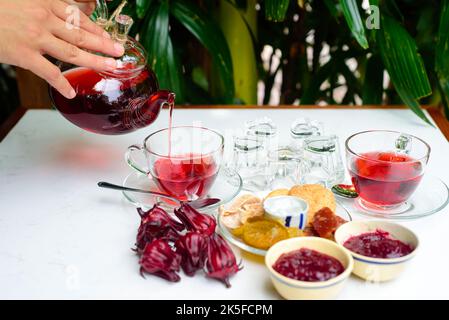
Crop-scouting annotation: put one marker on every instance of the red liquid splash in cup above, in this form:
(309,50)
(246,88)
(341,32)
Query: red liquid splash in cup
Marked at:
(385,178)
(187,177)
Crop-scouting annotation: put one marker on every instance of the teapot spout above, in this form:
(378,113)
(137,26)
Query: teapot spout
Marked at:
(143,114)
(160,98)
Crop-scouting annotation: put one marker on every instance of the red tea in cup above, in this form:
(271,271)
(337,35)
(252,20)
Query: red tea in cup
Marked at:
(185,178)
(183,161)
(385,178)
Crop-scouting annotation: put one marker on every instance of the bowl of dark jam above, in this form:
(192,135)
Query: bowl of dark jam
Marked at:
(381,250)
(308,268)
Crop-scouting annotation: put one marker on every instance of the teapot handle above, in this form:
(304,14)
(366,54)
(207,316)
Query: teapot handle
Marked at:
(131,162)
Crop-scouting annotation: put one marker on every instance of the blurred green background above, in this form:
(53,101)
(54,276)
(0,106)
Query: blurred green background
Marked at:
(297,51)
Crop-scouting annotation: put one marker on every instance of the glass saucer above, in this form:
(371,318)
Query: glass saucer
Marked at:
(431,196)
(227,234)
(226,187)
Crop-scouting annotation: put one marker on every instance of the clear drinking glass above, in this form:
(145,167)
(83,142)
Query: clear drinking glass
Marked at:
(265,131)
(285,168)
(323,156)
(250,160)
(303,128)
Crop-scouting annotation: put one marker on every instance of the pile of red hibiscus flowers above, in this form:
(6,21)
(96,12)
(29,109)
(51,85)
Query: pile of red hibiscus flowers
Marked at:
(164,247)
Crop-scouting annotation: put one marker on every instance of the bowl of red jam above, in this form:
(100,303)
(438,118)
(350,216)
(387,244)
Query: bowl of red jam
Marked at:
(381,250)
(308,268)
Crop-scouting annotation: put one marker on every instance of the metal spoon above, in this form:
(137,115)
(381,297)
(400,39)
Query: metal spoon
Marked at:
(197,204)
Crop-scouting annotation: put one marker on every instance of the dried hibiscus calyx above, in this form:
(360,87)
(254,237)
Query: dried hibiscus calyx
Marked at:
(192,247)
(164,246)
(220,262)
(159,259)
(195,221)
(156,224)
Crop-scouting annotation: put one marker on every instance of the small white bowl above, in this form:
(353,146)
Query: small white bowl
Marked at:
(289,210)
(297,290)
(377,269)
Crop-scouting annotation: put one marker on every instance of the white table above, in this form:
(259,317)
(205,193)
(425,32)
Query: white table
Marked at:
(62,237)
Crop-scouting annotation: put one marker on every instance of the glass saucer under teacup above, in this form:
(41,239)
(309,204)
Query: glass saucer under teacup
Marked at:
(226,187)
(431,196)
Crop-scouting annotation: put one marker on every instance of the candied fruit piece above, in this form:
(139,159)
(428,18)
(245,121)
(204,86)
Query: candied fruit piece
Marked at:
(238,232)
(325,223)
(294,232)
(309,231)
(263,234)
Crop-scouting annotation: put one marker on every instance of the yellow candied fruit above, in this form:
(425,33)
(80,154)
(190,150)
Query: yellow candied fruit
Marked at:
(238,232)
(294,232)
(263,233)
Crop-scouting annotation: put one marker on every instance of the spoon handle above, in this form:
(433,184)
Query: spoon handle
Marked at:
(108,185)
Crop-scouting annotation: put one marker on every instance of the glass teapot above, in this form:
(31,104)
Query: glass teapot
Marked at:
(115,102)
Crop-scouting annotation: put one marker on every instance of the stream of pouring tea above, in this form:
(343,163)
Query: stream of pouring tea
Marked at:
(171,107)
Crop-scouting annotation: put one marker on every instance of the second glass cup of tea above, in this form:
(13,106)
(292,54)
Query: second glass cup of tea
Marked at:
(386,167)
(183,161)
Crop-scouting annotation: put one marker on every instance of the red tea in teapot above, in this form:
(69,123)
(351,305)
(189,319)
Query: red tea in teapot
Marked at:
(118,101)
(111,105)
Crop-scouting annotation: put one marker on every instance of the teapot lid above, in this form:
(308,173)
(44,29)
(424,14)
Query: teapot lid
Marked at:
(134,59)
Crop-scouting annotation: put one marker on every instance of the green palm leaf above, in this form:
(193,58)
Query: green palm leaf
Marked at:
(372,90)
(442,56)
(204,28)
(155,40)
(142,6)
(355,23)
(276,9)
(174,71)
(404,64)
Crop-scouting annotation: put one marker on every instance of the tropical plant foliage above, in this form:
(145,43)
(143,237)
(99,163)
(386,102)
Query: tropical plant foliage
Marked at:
(9,99)
(330,51)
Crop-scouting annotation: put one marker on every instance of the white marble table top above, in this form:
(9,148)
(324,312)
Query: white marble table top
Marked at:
(62,237)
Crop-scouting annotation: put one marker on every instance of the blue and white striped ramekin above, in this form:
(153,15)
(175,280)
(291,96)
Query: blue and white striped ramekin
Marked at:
(290,210)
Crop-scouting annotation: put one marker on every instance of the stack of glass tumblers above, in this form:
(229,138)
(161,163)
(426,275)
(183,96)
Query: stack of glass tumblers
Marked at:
(266,164)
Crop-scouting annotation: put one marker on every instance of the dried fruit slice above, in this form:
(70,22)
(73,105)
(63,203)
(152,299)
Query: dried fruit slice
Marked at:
(238,232)
(294,232)
(263,233)
(251,210)
(325,223)
(241,210)
(278,192)
(231,221)
(242,200)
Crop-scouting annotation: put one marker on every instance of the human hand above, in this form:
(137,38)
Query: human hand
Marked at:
(29,29)
(86,6)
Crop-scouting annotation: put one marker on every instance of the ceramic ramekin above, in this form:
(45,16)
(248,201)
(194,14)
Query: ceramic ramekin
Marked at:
(289,210)
(298,290)
(376,269)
